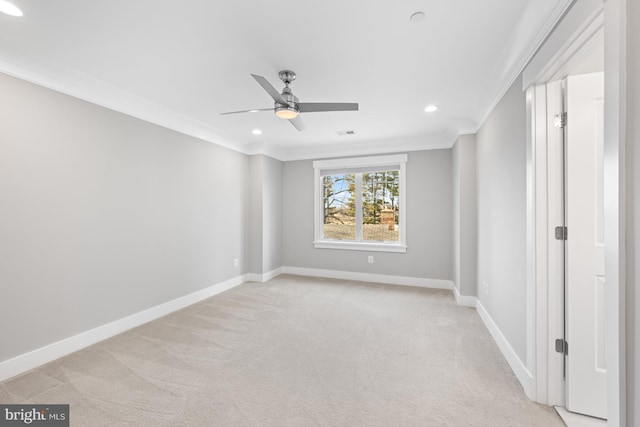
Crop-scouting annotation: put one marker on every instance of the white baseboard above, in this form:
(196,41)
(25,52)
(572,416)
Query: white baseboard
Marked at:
(254,277)
(519,368)
(33,359)
(270,275)
(463,300)
(25,362)
(261,278)
(369,277)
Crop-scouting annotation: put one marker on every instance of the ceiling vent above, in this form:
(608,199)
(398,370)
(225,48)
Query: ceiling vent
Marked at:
(346,132)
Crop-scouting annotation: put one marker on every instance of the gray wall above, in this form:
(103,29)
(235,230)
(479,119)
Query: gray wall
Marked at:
(103,215)
(272,214)
(501,192)
(455,186)
(633,214)
(255,241)
(465,215)
(265,214)
(429,222)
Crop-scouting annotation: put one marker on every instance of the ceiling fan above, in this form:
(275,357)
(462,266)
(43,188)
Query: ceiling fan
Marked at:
(286,103)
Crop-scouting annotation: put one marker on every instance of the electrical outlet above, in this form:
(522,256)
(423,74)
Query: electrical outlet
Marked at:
(485,287)
(370,259)
(236,262)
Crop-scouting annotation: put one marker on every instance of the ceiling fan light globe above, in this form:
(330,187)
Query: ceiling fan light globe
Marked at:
(286,113)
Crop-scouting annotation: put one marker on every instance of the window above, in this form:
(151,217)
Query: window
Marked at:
(359,203)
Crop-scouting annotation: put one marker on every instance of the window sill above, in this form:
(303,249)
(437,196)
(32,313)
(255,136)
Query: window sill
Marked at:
(360,246)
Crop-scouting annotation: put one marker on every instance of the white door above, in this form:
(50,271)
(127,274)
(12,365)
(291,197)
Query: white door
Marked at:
(586,286)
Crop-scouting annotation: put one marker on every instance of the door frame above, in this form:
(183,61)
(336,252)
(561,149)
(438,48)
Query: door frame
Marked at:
(586,24)
(545,195)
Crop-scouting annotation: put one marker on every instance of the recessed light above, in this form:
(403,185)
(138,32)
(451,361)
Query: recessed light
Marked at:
(256,132)
(9,8)
(417,17)
(253,111)
(431,108)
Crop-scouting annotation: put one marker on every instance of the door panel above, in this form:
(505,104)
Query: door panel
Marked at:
(586,282)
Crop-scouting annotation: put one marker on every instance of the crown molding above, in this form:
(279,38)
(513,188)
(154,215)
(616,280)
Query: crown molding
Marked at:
(107,96)
(113,98)
(532,30)
(529,36)
(362,148)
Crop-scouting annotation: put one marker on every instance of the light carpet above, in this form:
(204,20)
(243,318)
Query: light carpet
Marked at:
(295,351)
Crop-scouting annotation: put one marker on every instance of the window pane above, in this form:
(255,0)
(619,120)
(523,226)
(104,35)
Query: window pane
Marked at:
(380,206)
(339,203)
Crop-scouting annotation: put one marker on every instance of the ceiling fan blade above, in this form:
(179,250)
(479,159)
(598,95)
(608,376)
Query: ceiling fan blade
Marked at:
(255,110)
(315,107)
(270,89)
(297,123)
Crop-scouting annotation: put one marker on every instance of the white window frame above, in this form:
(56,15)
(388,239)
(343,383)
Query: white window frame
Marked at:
(396,161)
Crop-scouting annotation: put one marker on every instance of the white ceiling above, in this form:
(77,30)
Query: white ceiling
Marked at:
(181,63)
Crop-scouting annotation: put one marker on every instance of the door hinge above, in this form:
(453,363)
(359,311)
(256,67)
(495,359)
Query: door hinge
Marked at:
(561,233)
(560,120)
(562,346)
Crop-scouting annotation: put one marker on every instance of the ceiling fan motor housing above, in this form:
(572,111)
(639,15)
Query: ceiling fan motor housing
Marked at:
(287,111)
